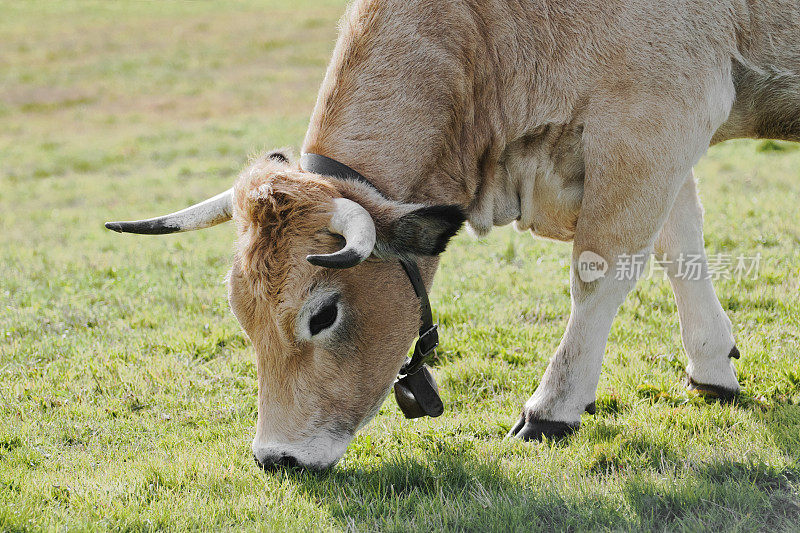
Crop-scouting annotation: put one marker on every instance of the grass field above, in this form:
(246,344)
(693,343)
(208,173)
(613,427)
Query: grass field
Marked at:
(127,390)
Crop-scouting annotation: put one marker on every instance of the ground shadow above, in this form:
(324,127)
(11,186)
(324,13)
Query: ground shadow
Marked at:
(452,492)
(720,496)
(448,488)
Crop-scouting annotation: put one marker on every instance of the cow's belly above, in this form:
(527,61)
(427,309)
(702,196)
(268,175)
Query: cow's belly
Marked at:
(538,185)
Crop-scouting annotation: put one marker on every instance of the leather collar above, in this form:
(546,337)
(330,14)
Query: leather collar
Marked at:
(415,389)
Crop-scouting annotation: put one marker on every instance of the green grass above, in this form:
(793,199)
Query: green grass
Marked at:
(128,392)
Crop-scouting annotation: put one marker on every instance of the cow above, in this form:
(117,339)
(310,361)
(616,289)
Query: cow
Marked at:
(578,121)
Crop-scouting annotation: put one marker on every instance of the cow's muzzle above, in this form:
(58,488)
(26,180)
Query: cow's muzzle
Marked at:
(316,453)
(276,462)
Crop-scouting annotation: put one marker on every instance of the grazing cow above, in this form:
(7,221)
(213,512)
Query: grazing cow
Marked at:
(577,120)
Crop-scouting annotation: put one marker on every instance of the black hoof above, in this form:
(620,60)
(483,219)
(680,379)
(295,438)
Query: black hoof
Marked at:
(538,429)
(712,391)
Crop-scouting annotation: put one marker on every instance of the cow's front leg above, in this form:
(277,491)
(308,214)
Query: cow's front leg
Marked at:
(705,329)
(630,186)
(569,384)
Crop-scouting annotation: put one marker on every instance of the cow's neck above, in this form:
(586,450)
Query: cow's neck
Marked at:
(411,105)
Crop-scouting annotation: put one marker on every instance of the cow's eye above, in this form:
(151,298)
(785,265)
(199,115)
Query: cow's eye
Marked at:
(324,318)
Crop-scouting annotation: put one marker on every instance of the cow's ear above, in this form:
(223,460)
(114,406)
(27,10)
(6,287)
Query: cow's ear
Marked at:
(422,231)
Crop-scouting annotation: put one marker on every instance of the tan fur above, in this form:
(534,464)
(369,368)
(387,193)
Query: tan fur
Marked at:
(274,208)
(433,93)
(309,388)
(577,120)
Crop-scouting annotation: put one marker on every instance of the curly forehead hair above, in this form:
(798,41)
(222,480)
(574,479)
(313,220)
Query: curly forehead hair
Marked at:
(277,208)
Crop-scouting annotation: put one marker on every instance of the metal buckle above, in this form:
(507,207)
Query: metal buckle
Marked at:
(426,344)
(428,341)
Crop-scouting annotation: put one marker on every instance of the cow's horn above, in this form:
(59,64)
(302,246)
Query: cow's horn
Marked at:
(207,213)
(355,224)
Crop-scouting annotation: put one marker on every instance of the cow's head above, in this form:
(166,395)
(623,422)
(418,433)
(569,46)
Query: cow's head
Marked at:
(317,286)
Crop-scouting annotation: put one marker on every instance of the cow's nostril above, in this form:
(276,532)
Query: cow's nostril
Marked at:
(271,464)
(287,461)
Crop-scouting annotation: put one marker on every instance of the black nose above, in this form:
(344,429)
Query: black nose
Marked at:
(278,462)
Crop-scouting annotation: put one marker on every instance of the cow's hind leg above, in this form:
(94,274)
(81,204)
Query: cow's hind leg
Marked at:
(632,179)
(705,329)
